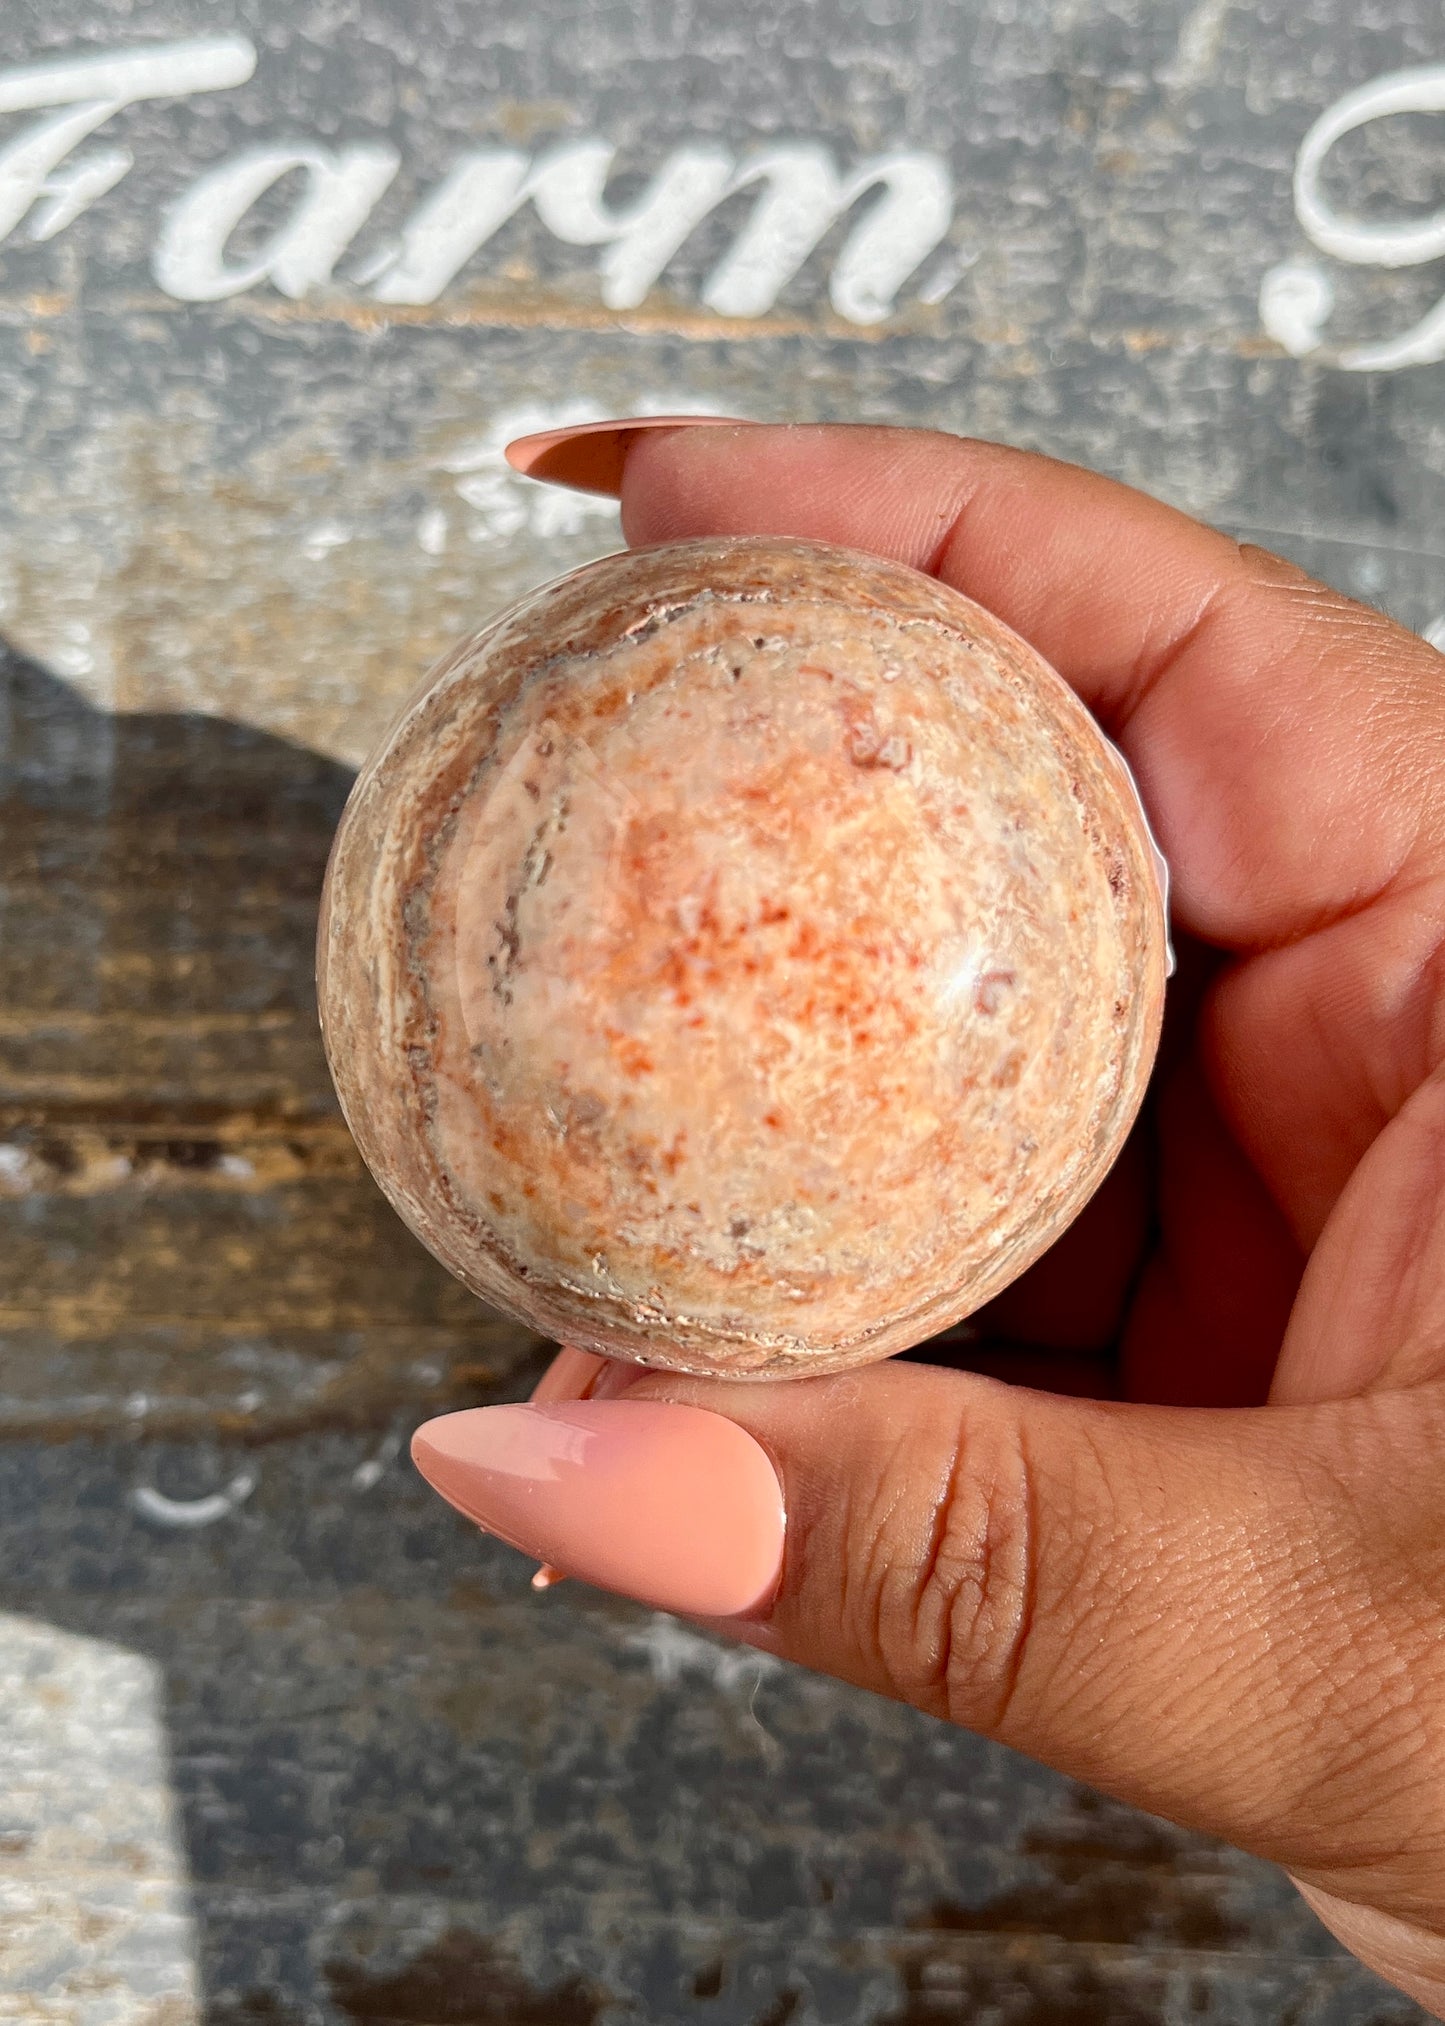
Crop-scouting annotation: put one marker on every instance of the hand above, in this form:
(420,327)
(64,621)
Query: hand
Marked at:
(1237,1618)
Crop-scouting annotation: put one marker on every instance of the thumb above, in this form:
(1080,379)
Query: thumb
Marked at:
(1175,1606)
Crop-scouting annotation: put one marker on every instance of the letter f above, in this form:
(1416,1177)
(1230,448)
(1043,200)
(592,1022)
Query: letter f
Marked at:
(89,90)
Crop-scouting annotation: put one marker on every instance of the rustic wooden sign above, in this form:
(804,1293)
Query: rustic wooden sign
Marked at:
(276,284)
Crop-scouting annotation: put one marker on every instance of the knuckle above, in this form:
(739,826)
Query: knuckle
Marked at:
(953,1614)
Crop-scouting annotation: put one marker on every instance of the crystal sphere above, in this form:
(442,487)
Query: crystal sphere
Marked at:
(744,957)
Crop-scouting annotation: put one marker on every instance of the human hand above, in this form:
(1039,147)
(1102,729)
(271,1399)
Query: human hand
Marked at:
(1230,1618)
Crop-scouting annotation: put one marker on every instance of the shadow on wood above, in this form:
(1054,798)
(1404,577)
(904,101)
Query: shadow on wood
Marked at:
(188,1239)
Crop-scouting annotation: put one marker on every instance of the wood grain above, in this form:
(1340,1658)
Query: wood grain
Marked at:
(282,1742)
(189,1239)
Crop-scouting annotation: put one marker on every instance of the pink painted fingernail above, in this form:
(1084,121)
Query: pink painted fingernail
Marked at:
(672,1505)
(590,457)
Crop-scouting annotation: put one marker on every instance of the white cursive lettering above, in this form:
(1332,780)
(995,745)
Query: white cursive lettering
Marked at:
(804,196)
(567,185)
(799,195)
(94,89)
(342,186)
(1403,243)
(1296,298)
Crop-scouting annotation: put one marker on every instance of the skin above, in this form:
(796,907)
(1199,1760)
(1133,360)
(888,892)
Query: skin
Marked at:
(1215,1589)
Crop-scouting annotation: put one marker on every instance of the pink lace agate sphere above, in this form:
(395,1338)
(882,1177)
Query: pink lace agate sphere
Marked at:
(744,956)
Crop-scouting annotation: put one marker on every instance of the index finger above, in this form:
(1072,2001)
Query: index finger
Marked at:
(1289,742)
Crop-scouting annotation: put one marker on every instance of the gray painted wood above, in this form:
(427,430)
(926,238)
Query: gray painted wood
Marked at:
(323,1757)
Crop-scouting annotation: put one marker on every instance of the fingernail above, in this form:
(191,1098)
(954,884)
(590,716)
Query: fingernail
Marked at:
(590,457)
(672,1505)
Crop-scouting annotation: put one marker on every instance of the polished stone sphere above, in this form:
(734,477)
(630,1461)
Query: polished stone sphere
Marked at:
(744,956)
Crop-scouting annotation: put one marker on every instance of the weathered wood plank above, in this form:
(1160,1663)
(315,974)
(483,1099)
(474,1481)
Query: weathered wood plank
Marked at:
(233,533)
(187,1236)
